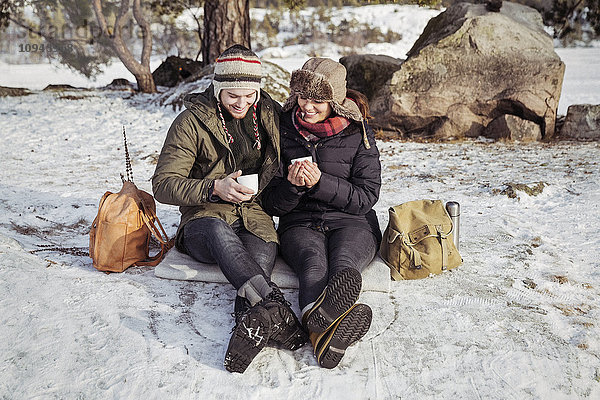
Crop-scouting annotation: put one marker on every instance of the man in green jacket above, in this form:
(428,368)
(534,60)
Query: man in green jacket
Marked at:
(230,130)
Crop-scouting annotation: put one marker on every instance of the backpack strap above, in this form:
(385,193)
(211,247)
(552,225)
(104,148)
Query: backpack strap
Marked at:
(92,245)
(443,238)
(395,274)
(151,221)
(415,257)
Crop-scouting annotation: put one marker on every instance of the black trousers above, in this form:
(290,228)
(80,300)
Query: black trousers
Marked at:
(315,255)
(239,253)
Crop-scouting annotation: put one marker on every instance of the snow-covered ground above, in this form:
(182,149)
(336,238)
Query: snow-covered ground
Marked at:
(518,320)
(38,76)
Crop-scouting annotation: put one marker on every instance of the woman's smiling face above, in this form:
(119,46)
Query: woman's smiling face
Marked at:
(314,111)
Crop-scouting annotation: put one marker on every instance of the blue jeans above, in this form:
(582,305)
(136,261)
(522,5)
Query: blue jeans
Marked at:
(315,256)
(239,253)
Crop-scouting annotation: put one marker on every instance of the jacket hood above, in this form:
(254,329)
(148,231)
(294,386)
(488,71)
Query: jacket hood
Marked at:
(203,99)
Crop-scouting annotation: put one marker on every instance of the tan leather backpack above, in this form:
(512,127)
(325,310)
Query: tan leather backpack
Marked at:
(418,240)
(120,233)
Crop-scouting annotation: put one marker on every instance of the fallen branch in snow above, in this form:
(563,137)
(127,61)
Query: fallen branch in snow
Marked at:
(74,251)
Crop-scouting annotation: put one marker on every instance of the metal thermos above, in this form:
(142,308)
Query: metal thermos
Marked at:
(453,209)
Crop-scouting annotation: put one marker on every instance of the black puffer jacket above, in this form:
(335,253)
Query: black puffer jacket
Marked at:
(348,188)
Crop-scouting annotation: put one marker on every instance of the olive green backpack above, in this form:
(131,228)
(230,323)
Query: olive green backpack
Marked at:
(418,240)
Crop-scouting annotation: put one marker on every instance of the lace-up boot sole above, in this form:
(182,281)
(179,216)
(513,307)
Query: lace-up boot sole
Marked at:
(346,331)
(250,335)
(341,293)
(286,331)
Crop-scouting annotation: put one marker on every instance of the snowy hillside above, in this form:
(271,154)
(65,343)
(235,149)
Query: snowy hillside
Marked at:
(518,320)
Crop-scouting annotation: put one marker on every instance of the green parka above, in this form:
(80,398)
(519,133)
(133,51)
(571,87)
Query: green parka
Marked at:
(196,153)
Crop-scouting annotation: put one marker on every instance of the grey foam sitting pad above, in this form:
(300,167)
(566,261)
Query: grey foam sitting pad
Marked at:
(180,266)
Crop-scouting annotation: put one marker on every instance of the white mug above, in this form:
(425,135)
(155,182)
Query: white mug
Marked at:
(307,158)
(250,181)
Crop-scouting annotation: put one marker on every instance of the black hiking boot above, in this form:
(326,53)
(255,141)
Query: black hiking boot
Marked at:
(341,293)
(249,336)
(286,331)
(331,345)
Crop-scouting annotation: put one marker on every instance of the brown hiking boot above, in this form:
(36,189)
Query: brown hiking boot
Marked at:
(330,346)
(341,293)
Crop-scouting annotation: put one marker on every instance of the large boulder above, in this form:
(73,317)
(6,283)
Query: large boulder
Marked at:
(276,81)
(469,67)
(367,72)
(582,122)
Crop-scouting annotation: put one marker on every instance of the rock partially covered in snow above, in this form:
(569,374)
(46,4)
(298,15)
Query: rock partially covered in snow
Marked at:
(469,67)
(275,81)
(175,70)
(13,91)
(61,88)
(120,84)
(582,122)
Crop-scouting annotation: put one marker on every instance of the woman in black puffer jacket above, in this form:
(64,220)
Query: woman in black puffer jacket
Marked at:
(328,229)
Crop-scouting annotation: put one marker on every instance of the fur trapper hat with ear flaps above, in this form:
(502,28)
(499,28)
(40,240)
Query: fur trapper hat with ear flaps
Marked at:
(323,79)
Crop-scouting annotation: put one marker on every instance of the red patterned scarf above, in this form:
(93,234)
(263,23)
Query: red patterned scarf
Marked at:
(313,132)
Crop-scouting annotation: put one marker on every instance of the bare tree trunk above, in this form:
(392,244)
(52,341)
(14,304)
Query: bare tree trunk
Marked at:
(140,70)
(225,23)
(145,82)
(199,29)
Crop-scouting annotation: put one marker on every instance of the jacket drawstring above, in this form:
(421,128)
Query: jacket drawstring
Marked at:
(365,138)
